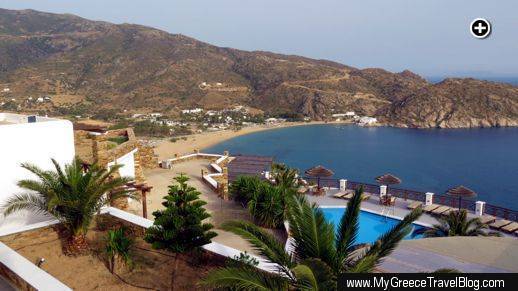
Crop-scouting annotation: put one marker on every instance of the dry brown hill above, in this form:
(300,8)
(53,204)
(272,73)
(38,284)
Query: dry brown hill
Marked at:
(98,65)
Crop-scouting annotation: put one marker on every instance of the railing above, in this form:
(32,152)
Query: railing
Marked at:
(405,194)
(501,212)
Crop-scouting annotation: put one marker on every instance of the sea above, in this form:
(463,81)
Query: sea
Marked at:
(429,160)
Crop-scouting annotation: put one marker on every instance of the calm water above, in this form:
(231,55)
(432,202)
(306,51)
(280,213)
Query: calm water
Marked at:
(486,160)
(371,225)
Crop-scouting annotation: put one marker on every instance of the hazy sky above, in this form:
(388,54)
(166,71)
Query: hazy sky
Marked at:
(429,37)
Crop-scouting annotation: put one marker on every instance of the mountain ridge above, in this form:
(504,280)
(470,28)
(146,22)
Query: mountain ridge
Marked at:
(135,67)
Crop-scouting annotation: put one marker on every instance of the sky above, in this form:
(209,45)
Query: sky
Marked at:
(430,37)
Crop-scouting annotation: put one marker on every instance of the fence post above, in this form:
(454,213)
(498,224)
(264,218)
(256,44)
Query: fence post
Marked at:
(479,208)
(383,190)
(343,184)
(429,198)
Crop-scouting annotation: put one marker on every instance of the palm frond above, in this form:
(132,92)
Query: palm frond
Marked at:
(348,228)
(313,236)
(366,264)
(27,201)
(265,243)
(244,278)
(389,240)
(306,279)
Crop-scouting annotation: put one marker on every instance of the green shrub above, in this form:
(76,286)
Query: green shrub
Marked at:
(118,247)
(243,188)
(118,139)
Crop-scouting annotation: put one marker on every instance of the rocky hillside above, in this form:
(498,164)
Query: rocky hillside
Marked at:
(94,65)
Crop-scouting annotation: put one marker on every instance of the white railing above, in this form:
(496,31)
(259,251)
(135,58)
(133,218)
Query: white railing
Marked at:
(201,155)
(209,178)
(28,271)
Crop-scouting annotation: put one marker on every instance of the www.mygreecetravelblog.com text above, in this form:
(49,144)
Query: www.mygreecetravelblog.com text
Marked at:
(406,281)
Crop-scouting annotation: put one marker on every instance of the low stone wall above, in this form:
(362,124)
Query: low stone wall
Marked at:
(146,154)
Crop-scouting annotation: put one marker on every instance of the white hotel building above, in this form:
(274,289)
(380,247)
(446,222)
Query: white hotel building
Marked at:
(35,140)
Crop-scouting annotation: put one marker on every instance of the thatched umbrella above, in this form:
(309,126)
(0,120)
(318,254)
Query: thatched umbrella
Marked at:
(461,191)
(319,172)
(388,179)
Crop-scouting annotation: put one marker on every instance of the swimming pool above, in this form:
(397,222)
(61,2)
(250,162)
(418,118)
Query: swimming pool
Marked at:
(371,225)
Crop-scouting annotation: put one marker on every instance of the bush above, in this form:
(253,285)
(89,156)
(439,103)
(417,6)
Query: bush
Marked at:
(243,188)
(267,205)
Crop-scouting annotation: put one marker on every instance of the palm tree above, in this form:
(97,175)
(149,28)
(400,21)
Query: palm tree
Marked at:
(285,177)
(456,223)
(318,255)
(70,195)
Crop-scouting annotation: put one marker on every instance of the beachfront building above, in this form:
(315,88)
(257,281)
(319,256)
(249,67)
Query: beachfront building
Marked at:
(33,139)
(192,111)
(367,120)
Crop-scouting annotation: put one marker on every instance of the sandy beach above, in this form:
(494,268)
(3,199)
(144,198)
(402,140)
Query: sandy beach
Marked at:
(167,149)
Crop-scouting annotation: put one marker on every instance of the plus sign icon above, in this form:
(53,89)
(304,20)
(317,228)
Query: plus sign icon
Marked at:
(480,28)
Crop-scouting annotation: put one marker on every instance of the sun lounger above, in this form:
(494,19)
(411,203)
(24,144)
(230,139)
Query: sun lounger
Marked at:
(414,205)
(510,228)
(448,211)
(486,219)
(430,208)
(440,210)
(339,195)
(499,224)
(351,194)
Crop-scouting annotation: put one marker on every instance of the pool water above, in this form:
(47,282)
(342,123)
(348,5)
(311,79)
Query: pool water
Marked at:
(371,225)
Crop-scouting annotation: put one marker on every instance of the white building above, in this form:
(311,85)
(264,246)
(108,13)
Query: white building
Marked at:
(347,114)
(367,120)
(192,111)
(34,140)
(5,90)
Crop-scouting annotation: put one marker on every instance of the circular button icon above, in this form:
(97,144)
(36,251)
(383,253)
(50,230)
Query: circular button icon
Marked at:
(480,28)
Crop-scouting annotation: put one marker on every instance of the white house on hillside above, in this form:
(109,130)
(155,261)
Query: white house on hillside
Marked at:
(35,140)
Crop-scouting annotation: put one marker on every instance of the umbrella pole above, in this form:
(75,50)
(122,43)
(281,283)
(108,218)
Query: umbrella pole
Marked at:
(460,200)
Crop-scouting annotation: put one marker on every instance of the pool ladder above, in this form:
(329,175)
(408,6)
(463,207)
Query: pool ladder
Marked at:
(386,211)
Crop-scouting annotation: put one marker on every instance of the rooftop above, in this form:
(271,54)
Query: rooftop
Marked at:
(13,118)
(248,165)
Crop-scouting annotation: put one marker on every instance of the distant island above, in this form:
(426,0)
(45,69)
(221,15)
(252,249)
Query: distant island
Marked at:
(61,64)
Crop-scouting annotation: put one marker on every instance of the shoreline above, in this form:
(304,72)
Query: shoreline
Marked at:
(166,149)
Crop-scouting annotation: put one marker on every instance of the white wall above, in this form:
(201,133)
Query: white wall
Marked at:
(35,143)
(128,162)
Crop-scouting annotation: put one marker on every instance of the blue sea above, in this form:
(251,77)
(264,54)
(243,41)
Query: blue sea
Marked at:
(485,160)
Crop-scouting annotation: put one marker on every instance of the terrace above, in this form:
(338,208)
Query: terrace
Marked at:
(20,251)
(484,254)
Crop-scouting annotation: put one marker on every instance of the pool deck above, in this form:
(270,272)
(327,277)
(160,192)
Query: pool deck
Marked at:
(372,205)
(466,254)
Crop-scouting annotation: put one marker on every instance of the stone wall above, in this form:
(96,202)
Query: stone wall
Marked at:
(102,153)
(146,155)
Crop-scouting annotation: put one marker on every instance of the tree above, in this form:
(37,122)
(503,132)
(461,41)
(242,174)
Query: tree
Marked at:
(118,246)
(318,255)
(179,228)
(70,195)
(284,176)
(456,223)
